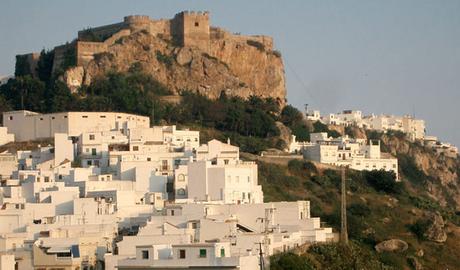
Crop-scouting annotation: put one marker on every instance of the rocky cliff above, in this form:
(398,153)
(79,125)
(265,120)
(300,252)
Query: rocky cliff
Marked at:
(232,66)
(438,175)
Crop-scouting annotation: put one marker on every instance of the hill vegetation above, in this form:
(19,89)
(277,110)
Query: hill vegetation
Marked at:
(379,208)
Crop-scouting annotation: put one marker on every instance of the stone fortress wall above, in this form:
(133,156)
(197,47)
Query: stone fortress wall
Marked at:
(186,29)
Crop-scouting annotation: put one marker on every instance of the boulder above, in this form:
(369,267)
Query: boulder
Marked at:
(73,78)
(392,245)
(184,56)
(435,231)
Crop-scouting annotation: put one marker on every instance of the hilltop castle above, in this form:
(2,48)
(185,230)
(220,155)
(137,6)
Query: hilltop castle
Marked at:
(240,65)
(186,29)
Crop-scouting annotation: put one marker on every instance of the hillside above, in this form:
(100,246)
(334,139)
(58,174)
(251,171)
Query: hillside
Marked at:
(422,210)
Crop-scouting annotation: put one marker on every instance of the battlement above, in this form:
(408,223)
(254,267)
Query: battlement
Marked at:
(136,19)
(204,14)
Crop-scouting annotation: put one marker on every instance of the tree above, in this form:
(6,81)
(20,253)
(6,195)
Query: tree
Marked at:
(25,93)
(382,180)
(45,65)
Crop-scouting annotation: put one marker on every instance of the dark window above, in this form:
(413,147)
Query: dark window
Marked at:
(222,252)
(93,151)
(145,254)
(11,117)
(91,137)
(135,148)
(181,253)
(203,253)
(197,24)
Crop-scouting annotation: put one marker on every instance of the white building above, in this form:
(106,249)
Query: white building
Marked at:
(5,137)
(414,128)
(27,125)
(164,199)
(185,256)
(345,118)
(354,153)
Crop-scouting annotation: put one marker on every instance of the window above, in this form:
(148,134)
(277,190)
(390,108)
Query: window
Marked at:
(181,178)
(181,253)
(202,253)
(84,116)
(88,163)
(41,118)
(222,252)
(226,161)
(164,165)
(102,116)
(47,179)
(197,24)
(181,192)
(52,117)
(149,159)
(38,179)
(11,117)
(135,148)
(92,137)
(145,254)
(93,151)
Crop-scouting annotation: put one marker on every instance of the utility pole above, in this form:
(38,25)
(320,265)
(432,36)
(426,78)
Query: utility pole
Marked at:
(343,227)
(261,257)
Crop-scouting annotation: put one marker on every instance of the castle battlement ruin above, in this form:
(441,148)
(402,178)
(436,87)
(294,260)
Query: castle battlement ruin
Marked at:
(185,29)
(248,62)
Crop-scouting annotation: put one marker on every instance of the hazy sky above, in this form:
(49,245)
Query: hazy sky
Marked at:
(388,56)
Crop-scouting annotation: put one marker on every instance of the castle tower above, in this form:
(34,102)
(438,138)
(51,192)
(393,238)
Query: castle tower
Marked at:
(192,29)
(137,22)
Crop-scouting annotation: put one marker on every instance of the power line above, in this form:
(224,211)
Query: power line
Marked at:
(299,79)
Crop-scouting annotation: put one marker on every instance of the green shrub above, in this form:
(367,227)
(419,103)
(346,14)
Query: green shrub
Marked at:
(337,257)
(320,127)
(382,180)
(165,59)
(419,228)
(290,261)
(359,210)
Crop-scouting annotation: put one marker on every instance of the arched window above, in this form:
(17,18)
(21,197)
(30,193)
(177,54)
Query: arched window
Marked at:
(181,192)
(181,178)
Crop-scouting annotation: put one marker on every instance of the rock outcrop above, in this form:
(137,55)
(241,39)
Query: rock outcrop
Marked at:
(392,245)
(435,231)
(209,61)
